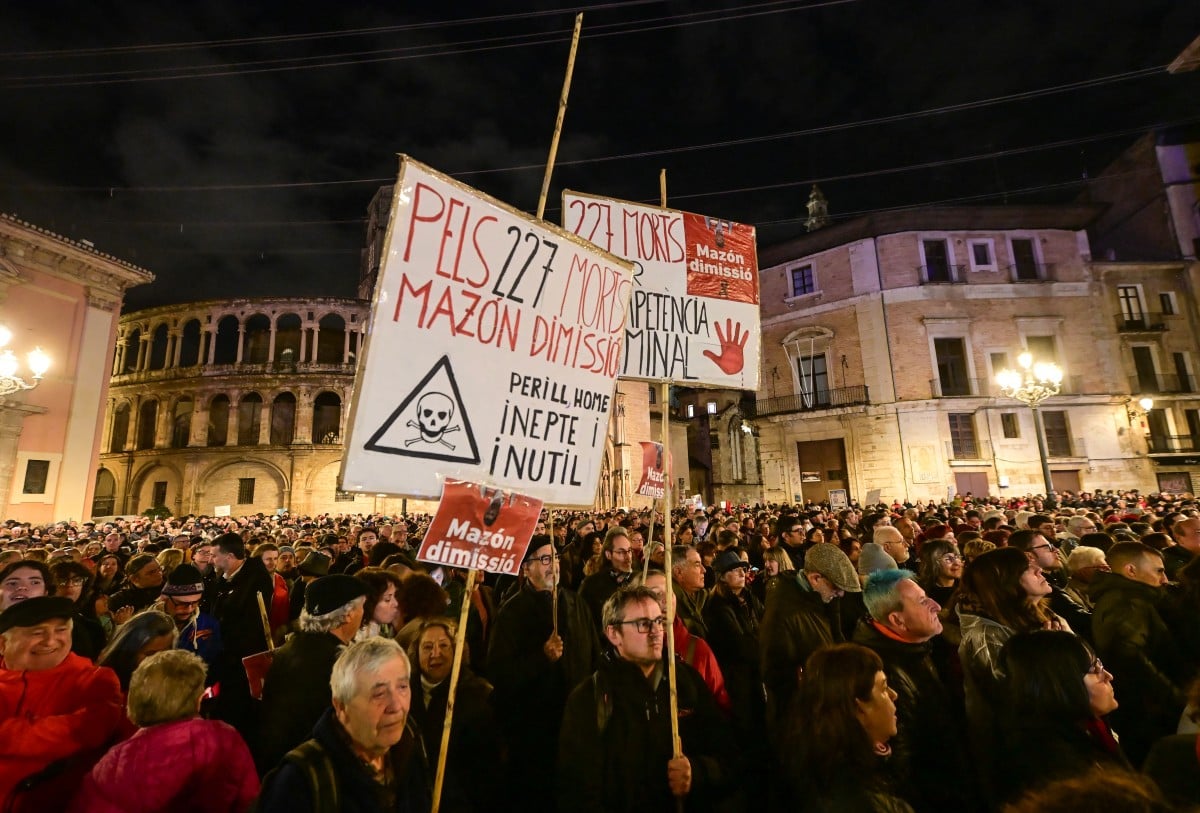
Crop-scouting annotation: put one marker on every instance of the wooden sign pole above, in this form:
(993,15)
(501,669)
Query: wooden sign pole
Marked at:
(562,114)
(460,643)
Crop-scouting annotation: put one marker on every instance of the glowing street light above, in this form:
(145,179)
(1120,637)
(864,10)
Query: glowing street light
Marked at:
(1031,385)
(10,382)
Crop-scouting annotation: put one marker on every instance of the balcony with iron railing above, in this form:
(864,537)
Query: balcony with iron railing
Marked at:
(1143,322)
(1031,272)
(942,274)
(986,388)
(1166,444)
(1162,384)
(809,402)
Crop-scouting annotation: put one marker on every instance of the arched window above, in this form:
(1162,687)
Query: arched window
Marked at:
(331,339)
(158,349)
(147,421)
(283,419)
(327,418)
(249,419)
(133,344)
(189,344)
(287,338)
(258,339)
(227,341)
(218,421)
(120,429)
(104,498)
(181,423)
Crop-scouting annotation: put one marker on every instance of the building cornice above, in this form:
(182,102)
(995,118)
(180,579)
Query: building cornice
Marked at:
(22,243)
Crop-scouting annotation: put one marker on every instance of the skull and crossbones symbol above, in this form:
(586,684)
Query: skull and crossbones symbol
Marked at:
(434,413)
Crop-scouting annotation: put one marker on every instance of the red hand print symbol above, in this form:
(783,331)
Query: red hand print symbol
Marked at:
(733,342)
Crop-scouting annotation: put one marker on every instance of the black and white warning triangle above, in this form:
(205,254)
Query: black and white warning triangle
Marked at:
(431,422)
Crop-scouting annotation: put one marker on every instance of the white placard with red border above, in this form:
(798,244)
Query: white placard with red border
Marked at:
(693,319)
(492,352)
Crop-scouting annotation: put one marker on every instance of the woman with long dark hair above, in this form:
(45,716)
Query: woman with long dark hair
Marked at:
(1060,693)
(940,568)
(839,727)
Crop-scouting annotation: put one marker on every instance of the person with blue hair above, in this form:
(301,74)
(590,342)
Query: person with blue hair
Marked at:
(901,625)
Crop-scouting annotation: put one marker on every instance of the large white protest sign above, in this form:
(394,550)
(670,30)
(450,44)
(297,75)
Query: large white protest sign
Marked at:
(694,318)
(493,349)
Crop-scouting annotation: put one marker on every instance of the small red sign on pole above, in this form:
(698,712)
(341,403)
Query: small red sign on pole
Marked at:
(480,528)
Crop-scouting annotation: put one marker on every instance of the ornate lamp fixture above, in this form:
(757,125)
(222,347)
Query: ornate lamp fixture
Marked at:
(1031,385)
(10,382)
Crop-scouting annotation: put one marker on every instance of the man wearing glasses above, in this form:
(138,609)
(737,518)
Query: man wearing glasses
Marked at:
(198,631)
(532,667)
(615,750)
(616,572)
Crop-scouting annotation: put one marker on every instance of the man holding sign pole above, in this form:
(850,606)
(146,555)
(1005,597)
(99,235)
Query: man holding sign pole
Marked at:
(615,750)
(532,667)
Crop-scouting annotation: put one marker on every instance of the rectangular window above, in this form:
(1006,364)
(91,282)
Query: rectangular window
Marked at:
(1010,425)
(937,261)
(343,496)
(711,407)
(691,410)
(803,281)
(962,436)
(37,475)
(158,497)
(813,372)
(1132,312)
(1184,384)
(1058,433)
(952,367)
(1042,348)
(653,394)
(1193,423)
(245,490)
(714,440)
(1166,301)
(983,257)
(1025,264)
(1147,374)
(999,362)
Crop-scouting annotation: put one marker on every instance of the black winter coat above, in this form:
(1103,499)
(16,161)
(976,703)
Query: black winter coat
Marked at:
(287,789)
(295,695)
(622,766)
(733,635)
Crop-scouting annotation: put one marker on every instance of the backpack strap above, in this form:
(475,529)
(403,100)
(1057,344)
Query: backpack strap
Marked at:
(311,758)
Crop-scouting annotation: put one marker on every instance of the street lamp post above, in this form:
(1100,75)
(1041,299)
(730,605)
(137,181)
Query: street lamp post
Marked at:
(10,382)
(1031,385)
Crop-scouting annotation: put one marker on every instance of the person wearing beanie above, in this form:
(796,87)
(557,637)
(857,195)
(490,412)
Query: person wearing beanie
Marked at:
(181,599)
(296,691)
(802,615)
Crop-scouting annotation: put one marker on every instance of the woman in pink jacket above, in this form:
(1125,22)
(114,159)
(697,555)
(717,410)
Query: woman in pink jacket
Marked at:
(176,761)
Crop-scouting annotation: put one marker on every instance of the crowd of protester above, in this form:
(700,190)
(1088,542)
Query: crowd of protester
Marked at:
(973,655)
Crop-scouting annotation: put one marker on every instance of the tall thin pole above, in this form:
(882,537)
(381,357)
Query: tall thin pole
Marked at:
(562,114)
(459,645)
(1040,431)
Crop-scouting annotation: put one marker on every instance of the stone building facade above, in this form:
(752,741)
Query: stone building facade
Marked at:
(882,337)
(234,405)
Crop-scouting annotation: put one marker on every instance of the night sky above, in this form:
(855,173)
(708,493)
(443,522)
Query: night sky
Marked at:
(232,147)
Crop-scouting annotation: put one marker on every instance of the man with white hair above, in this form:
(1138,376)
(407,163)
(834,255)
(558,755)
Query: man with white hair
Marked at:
(1083,564)
(296,690)
(365,754)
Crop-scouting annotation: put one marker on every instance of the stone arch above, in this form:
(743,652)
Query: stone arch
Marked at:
(190,342)
(218,420)
(257,340)
(142,486)
(249,419)
(120,428)
(327,418)
(220,485)
(331,339)
(181,421)
(287,337)
(226,341)
(104,495)
(158,348)
(147,426)
(283,419)
(133,343)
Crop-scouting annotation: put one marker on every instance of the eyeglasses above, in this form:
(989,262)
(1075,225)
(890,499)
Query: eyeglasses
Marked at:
(545,560)
(644,625)
(75,581)
(796,531)
(1047,546)
(622,553)
(951,558)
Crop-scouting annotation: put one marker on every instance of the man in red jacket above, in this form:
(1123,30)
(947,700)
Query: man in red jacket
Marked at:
(58,711)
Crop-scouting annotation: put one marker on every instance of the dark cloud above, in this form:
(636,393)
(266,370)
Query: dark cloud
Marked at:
(132,166)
